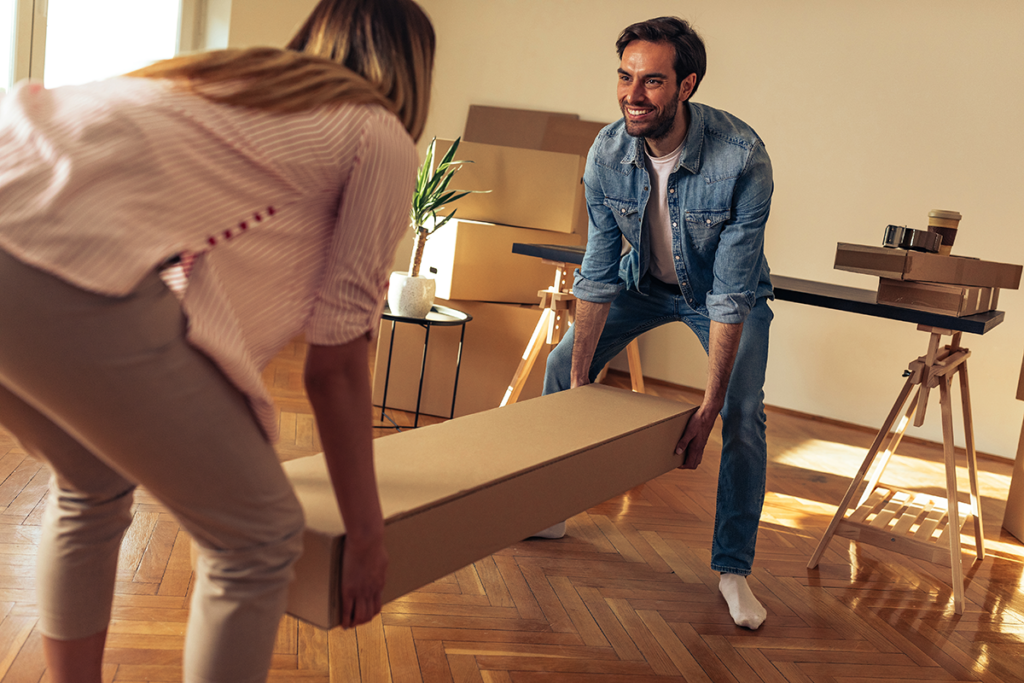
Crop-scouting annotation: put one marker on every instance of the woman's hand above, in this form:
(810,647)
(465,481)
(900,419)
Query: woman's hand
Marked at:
(337,382)
(363,567)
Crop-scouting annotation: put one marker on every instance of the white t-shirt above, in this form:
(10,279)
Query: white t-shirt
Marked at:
(656,215)
(293,219)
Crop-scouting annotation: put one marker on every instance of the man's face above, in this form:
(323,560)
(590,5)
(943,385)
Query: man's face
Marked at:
(648,95)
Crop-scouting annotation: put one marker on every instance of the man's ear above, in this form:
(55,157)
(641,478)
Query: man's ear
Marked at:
(687,86)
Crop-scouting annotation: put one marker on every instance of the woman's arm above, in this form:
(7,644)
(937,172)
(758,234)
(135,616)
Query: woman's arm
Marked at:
(338,384)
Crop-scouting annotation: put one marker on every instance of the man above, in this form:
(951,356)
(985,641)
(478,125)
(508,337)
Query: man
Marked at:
(689,188)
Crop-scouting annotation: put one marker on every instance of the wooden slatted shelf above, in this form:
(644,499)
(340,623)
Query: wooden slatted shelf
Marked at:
(908,522)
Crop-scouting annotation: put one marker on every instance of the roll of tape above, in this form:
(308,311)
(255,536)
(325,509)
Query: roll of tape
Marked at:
(900,237)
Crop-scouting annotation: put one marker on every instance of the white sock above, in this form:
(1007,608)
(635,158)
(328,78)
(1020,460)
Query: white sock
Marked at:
(744,608)
(553,531)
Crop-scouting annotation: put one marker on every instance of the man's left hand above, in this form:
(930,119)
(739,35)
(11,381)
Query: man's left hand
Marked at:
(695,438)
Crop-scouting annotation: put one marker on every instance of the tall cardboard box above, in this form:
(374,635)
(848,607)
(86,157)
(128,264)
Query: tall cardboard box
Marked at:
(494,344)
(456,492)
(528,188)
(473,261)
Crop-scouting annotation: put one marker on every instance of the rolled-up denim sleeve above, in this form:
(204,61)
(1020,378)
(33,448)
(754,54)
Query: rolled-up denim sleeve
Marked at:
(739,258)
(597,279)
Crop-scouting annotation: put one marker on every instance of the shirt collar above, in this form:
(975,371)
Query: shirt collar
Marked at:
(693,143)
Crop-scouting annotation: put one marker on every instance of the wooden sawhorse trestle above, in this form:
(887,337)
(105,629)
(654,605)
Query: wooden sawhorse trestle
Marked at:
(558,311)
(915,524)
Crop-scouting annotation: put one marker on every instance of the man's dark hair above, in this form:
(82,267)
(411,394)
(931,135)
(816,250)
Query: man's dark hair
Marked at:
(690,55)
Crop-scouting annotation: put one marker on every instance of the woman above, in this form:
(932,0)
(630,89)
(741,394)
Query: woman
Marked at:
(281,179)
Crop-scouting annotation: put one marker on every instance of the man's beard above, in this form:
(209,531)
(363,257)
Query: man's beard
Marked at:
(653,130)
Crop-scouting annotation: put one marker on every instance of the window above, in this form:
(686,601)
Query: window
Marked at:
(87,41)
(7,27)
(63,42)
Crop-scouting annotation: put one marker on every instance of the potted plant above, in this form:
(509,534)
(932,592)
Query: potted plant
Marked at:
(409,293)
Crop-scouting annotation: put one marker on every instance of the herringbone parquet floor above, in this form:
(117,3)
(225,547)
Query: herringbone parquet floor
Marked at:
(627,595)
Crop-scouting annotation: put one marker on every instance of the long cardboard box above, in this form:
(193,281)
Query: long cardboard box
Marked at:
(528,188)
(900,264)
(456,492)
(953,300)
(473,261)
(495,340)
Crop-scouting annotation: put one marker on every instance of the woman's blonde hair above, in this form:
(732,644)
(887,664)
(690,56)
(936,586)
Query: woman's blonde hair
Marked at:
(360,51)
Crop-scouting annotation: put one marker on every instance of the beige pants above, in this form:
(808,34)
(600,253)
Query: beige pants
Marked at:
(108,392)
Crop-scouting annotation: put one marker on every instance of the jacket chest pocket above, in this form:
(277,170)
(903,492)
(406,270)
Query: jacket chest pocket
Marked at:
(705,227)
(627,216)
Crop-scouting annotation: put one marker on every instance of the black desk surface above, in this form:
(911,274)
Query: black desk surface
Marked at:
(822,294)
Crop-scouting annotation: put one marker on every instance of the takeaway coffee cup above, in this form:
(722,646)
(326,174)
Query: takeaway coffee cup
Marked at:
(945,224)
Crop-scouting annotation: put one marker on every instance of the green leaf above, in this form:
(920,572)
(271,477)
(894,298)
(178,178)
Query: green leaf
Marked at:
(432,193)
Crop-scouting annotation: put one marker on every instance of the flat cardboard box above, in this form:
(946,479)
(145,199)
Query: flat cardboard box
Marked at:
(528,188)
(473,261)
(953,300)
(531,129)
(901,264)
(495,340)
(524,128)
(457,492)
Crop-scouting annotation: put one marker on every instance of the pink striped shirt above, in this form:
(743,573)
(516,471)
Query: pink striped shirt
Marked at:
(292,219)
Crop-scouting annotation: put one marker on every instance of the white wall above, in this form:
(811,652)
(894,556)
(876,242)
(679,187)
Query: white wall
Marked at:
(263,22)
(874,112)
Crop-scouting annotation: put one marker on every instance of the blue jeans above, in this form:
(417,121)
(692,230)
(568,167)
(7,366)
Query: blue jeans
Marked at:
(741,475)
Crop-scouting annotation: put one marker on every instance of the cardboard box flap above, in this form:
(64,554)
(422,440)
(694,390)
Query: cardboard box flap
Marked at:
(531,129)
(510,127)
(456,492)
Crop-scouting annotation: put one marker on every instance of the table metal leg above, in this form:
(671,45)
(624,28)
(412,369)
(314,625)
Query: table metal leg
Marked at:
(387,373)
(458,367)
(423,369)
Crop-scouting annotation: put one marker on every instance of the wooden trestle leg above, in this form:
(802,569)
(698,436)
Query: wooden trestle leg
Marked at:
(915,524)
(558,312)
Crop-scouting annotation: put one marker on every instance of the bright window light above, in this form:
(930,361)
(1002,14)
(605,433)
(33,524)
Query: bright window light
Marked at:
(7,8)
(89,41)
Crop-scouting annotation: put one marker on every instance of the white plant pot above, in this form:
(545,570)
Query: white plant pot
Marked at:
(410,297)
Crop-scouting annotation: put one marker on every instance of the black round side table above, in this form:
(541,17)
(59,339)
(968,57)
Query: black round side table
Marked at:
(439,316)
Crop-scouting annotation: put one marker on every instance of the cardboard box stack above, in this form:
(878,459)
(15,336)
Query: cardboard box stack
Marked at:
(532,162)
(931,282)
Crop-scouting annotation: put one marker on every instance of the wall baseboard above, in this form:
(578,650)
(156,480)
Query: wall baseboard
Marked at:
(618,376)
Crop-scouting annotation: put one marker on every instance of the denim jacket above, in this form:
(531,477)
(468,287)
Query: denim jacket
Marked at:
(719,197)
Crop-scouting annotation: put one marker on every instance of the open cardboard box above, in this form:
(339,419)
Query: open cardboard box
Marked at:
(901,264)
(454,493)
(525,188)
(530,129)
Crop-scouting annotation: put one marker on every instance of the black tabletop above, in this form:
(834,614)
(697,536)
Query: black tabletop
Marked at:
(438,315)
(862,301)
(813,293)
